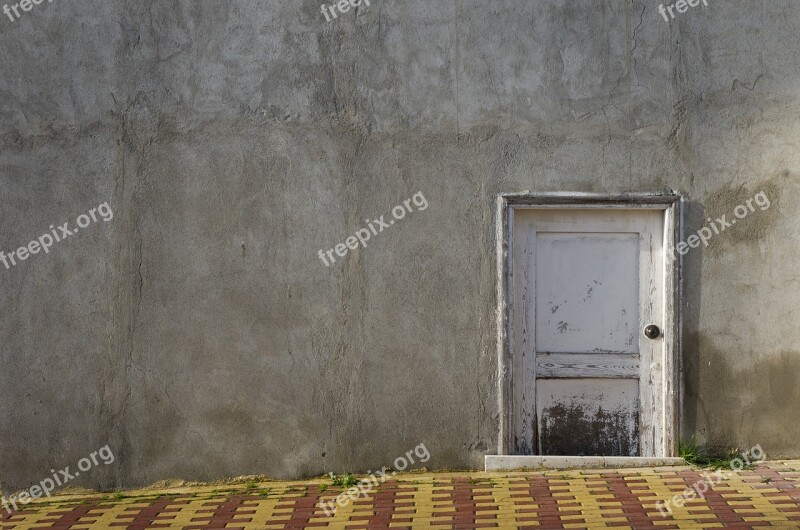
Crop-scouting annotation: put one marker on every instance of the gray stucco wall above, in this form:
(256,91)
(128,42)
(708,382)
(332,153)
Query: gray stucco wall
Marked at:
(199,335)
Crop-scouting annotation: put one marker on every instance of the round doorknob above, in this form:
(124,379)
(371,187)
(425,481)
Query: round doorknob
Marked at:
(652,331)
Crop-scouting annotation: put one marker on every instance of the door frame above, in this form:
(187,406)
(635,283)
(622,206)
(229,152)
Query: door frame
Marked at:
(672,206)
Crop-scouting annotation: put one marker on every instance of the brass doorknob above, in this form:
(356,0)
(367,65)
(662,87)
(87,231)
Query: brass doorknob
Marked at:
(652,331)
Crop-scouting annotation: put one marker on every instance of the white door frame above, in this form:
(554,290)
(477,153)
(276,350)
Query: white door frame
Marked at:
(671,205)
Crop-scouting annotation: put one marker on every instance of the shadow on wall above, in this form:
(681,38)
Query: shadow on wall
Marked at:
(732,398)
(691,267)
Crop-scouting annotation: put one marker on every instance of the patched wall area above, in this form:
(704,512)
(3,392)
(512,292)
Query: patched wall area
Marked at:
(199,334)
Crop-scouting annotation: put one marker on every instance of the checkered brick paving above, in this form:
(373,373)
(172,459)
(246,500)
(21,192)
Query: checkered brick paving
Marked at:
(766,496)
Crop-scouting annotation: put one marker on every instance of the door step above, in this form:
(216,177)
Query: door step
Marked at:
(514,462)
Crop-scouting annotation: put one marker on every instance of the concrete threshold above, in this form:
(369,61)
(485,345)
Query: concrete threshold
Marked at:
(512,462)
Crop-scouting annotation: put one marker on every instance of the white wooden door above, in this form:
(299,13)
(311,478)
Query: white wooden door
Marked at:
(587,282)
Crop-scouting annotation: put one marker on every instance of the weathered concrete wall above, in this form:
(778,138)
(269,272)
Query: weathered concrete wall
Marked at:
(198,333)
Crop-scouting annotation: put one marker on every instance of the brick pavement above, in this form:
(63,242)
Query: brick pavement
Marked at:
(766,496)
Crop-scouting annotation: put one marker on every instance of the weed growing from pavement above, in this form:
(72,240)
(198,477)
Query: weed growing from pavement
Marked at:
(355,488)
(707,457)
(346,481)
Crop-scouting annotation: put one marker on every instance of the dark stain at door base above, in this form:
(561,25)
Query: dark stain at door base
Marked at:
(570,430)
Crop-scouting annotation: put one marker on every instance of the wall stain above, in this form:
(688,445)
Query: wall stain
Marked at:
(571,430)
(750,228)
(736,399)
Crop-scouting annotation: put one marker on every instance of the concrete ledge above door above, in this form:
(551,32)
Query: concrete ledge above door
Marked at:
(519,462)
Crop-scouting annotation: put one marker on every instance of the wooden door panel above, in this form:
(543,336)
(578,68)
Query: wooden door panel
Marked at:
(564,365)
(588,416)
(587,296)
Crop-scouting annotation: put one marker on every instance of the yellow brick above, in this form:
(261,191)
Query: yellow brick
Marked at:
(762,518)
